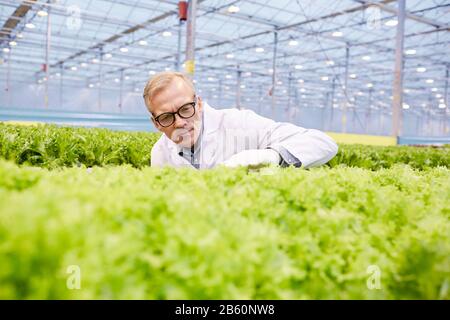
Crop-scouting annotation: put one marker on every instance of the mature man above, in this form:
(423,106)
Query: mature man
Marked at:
(196,135)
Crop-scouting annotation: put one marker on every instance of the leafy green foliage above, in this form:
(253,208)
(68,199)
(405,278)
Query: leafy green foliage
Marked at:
(51,147)
(377,157)
(217,234)
(224,234)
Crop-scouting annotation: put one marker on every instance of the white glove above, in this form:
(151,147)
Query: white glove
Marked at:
(253,158)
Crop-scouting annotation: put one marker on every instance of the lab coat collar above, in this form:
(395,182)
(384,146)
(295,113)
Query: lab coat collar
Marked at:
(211,123)
(211,118)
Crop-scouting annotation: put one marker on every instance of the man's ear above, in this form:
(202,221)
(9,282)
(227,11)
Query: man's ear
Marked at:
(200,103)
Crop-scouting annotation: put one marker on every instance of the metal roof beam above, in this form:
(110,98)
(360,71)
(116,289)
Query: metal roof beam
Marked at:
(121,34)
(15,18)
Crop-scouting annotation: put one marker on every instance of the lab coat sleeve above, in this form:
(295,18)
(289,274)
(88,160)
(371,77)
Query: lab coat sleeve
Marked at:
(312,147)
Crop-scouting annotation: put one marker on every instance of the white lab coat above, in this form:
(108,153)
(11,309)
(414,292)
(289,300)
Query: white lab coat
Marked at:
(230,131)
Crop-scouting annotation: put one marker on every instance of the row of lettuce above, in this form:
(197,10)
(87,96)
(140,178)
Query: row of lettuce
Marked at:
(51,147)
(122,232)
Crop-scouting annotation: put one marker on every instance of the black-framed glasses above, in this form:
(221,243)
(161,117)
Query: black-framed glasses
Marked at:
(186,111)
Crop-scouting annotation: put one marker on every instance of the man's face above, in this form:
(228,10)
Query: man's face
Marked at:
(183,132)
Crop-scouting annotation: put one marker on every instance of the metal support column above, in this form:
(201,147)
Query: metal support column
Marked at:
(47,56)
(445,110)
(324,110)
(369,110)
(333,88)
(344,113)
(381,120)
(274,69)
(190,38)
(100,79)
(121,90)
(178,63)
(261,98)
(8,79)
(238,88)
(428,122)
(289,112)
(398,73)
(61,72)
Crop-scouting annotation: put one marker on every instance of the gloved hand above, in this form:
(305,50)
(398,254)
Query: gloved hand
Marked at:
(253,158)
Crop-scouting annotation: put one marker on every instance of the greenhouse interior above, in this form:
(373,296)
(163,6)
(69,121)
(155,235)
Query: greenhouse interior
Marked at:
(312,63)
(98,199)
